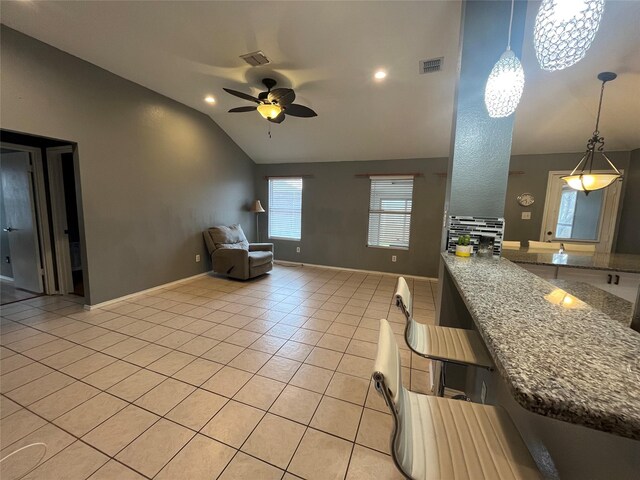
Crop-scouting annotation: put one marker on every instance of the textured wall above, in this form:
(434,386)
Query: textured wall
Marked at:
(154,173)
(629,230)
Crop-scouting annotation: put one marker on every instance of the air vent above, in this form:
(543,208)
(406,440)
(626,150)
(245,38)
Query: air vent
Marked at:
(255,59)
(432,65)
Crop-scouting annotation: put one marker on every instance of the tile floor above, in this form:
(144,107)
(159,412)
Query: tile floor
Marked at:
(9,293)
(210,378)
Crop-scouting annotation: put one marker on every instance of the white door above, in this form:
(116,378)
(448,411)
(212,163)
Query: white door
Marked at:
(571,216)
(17,189)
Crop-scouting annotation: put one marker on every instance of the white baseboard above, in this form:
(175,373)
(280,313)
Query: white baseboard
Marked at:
(330,267)
(6,279)
(143,292)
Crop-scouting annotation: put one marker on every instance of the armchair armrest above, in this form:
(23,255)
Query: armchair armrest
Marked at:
(231,261)
(263,247)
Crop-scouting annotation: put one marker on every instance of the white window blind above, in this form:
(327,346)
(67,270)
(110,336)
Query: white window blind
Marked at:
(285,208)
(390,212)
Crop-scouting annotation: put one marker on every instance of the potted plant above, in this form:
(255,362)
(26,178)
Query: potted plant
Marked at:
(464,247)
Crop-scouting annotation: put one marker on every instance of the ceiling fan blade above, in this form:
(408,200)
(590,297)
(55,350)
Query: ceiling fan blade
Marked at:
(282,96)
(299,111)
(244,96)
(243,109)
(278,119)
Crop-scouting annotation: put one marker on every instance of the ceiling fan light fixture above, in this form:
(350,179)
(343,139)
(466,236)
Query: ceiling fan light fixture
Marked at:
(269,110)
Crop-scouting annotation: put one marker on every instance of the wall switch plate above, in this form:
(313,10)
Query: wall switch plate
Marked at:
(526,215)
(393,258)
(297,249)
(483,394)
(197,258)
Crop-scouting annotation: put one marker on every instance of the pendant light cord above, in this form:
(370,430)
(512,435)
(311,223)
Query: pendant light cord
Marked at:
(596,131)
(510,24)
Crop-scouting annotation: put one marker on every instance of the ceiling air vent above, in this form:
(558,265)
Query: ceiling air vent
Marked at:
(432,65)
(255,59)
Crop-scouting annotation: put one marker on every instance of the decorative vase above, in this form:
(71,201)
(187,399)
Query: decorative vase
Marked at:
(464,250)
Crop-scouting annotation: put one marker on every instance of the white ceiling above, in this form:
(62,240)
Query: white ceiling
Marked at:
(328,52)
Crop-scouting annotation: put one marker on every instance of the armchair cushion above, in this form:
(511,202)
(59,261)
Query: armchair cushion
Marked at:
(259,258)
(229,237)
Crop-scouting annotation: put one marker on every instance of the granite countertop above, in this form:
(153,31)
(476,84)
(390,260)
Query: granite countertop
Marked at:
(559,356)
(619,262)
(617,308)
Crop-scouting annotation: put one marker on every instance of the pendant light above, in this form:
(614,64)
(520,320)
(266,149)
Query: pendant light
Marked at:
(582,177)
(564,31)
(505,83)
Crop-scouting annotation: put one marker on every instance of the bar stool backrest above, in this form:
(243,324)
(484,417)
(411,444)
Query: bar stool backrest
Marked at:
(403,297)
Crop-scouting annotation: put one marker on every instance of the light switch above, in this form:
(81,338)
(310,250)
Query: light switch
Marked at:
(526,215)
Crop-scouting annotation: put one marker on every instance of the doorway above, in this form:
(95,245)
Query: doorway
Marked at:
(573,216)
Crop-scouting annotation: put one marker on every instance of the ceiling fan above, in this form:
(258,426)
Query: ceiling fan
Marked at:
(273,105)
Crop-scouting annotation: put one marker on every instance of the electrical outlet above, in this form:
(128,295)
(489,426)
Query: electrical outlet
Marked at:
(393,258)
(483,394)
(297,249)
(197,258)
(526,215)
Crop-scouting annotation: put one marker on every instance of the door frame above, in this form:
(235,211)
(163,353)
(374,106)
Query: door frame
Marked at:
(42,218)
(607,224)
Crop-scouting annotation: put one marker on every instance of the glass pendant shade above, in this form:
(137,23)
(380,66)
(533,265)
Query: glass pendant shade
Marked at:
(269,110)
(590,182)
(564,31)
(504,86)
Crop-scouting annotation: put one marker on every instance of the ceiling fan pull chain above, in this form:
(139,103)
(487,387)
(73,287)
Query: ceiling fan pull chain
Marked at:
(269,129)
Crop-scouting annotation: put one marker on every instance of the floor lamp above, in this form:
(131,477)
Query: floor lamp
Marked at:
(257,209)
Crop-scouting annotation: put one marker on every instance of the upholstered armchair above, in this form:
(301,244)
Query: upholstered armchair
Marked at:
(232,255)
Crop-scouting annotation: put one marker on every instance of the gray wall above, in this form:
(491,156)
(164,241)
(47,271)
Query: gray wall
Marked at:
(335,215)
(153,172)
(5,268)
(534,180)
(629,231)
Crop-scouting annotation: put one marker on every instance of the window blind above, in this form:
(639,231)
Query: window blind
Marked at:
(390,212)
(285,208)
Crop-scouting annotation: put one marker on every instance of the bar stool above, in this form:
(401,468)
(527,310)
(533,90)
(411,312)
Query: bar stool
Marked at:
(438,438)
(444,344)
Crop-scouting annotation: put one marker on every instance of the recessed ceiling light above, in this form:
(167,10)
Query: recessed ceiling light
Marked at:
(380,75)
(209,99)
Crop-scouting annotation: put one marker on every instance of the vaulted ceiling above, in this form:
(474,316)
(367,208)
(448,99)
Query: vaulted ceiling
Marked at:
(328,52)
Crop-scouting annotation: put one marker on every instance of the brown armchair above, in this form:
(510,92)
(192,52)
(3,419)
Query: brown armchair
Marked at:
(232,255)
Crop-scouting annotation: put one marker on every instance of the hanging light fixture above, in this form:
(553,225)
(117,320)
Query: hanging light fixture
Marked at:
(564,31)
(505,83)
(582,177)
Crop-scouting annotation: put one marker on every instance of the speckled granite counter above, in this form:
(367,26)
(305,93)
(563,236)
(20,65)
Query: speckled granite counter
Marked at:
(617,308)
(619,262)
(558,356)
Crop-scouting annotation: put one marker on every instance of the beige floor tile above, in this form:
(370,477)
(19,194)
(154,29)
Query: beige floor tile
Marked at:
(88,365)
(40,388)
(223,353)
(113,470)
(274,440)
(243,338)
(111,374)
(197,409)
(201,459)
(333,342)
(147,355)
(245,467)
(356,366)
(250,360)
(198,327)
(117,432)
(63,400)
(198,346)
(341,330)
(366,464)
(126,347)
(165,396)
(279,368)
(198,371)
(321,457)
(171,363)
(7,406)
(375,430)
(268,344)
(325,358)
(312,378)
(227,382)
(220,332)
(19,425)
(309,337)
(14,362)
(175,339)
(66,357)
(260,392)
(136,385)
(54,438)
(348,388)
(48,349)
(295,351)
(152,450)
(375,400)
(360,348)
(77,461)
(296,404)
(90,414)
(233,423)
(22,376)
(337,417)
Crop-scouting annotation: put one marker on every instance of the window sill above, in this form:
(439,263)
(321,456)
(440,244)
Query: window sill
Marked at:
(287,239)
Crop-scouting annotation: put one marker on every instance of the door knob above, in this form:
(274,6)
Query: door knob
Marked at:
(9,229)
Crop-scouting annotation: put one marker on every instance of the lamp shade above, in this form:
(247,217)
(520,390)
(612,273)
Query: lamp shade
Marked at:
(257,207)
(269,110)
(591,182)
(504,86)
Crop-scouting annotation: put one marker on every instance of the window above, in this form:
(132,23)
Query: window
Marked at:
(390,212)
(285,208)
